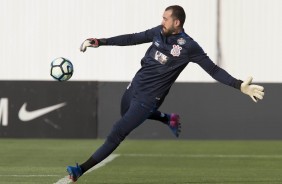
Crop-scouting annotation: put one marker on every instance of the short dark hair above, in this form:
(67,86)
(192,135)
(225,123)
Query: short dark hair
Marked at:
(178,13)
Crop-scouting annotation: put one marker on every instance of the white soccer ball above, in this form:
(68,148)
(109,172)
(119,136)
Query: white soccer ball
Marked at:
(61,69)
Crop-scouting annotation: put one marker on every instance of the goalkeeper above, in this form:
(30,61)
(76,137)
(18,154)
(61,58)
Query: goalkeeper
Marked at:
(170,52)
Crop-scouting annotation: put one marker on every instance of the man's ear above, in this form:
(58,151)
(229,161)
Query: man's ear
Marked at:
(176,23)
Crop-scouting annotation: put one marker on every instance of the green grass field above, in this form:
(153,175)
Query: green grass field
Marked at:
(42,161)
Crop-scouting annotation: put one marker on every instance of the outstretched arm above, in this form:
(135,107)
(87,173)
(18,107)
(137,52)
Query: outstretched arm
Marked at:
(198,56)
(122,40)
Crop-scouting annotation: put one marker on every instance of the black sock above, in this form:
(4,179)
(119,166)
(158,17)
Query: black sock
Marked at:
(88,164)
(160,116)
(164,118)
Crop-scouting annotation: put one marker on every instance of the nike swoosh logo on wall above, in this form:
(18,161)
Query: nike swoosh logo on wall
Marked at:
(25,115)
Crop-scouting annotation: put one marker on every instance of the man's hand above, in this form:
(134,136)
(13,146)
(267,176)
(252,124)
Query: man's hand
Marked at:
(90,42)
(254,91)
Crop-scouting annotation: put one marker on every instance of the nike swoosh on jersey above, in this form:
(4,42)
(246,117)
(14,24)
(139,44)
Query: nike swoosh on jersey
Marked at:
(25,115)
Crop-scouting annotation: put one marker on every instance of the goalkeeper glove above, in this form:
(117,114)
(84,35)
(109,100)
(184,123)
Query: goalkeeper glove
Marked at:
(254,91)
(90,42)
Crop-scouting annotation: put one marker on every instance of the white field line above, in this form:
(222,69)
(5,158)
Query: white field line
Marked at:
(204,156)
(66,179)
(29,175)
(110,158)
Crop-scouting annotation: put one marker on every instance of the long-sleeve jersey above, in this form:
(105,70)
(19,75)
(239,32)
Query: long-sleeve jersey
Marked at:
(165,59)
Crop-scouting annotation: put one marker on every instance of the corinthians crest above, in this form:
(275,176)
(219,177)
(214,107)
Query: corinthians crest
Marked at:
(175,51)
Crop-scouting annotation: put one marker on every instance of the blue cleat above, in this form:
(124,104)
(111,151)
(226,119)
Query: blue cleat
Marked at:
(74,172)
(174,124)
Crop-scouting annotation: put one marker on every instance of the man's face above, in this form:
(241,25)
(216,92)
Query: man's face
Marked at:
(168,23)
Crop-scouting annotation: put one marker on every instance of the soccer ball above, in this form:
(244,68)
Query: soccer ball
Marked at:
(61,69)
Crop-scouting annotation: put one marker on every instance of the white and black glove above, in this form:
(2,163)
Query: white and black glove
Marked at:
(254,91)
(90,42)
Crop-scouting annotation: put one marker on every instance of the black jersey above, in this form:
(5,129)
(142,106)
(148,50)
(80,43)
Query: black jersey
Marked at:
(165,59)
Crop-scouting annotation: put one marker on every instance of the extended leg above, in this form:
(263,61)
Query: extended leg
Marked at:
(135,115)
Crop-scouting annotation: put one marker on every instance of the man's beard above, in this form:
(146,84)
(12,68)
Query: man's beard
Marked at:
(168,32)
